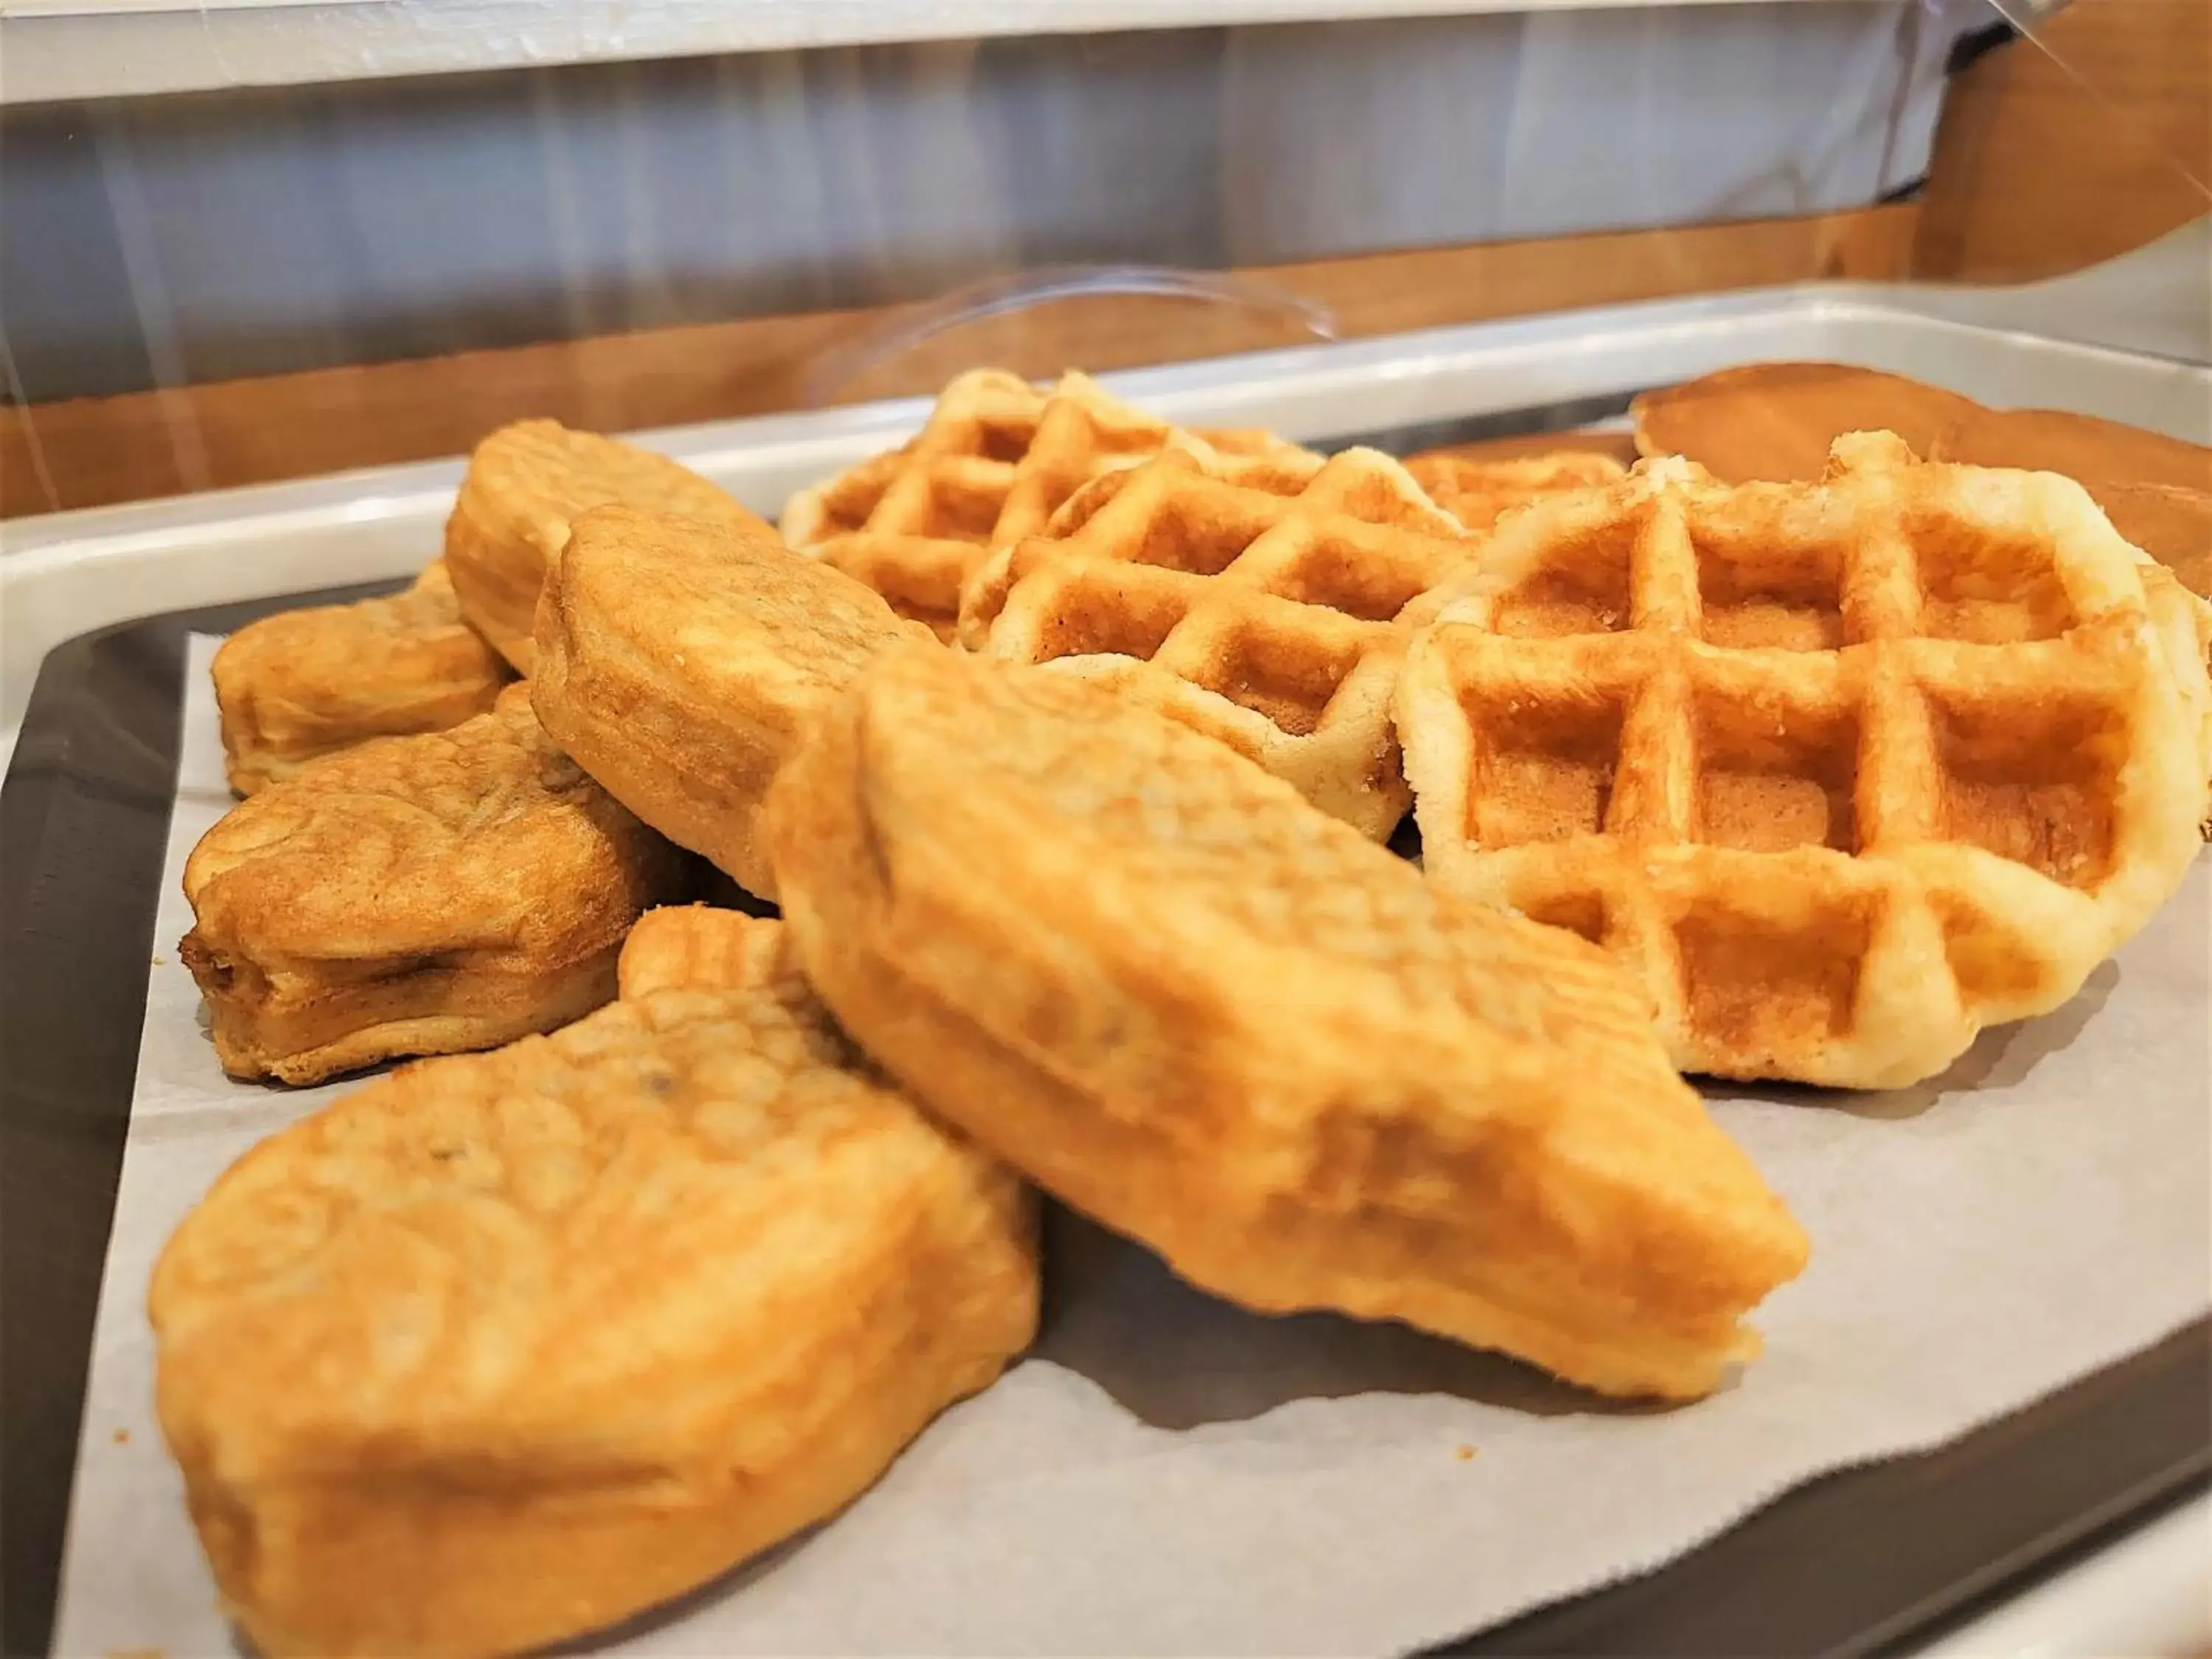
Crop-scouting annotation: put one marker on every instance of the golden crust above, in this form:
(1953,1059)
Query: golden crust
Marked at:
(2156,491)
(1159,983)
(1845,772)
(416,896)
(2078,446)
(993,462)
(2173,525)
(680,663)
(688,946)
(1478,490)
(524,482)
(1773,421)
(300,684)
(1265,602)
(502,1349)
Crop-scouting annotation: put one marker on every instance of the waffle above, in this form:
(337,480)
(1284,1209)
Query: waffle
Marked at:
(2173,525)
(1155,981)
(1477,492)
(1843,771)
(524,484)
(1257,601)
(499,1350)
(2157,490)
(1775,421)
(422,894)
(300,684)
(2079,446)
(994,460)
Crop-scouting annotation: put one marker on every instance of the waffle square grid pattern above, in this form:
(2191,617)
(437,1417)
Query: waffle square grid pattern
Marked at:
(994,461)
(1845,771)
(1265,602)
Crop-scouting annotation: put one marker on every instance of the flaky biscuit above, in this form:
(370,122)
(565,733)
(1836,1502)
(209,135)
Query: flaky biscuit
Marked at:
(679,664)
(524,482)
(502,1349)
(300,684)
(1162,985)
(416,896)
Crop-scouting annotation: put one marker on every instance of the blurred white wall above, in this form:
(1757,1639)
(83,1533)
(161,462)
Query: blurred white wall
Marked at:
(204,236)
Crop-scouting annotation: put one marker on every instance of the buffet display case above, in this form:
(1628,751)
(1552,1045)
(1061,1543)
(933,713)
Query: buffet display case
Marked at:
(270,273)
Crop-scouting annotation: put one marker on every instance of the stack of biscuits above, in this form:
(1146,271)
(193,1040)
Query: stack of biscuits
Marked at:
(1046,783)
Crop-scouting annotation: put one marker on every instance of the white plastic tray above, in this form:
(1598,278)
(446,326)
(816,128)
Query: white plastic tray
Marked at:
(65,574)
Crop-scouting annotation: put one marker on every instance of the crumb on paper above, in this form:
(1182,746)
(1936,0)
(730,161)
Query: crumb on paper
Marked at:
(161,962)
(1463,1452)
(121,1437)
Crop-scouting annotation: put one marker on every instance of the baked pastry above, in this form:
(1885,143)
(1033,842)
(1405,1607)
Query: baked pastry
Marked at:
(1478,490)
(300,684)
(1257,601)
(994,460)
(1155,981)
(2171,524)
(694,946)
(524,484)
(416,896)
(504,1348)
(2183,623)
(2156,490)
(680,665)
(2079,446)
(1774,422)
(1844,772)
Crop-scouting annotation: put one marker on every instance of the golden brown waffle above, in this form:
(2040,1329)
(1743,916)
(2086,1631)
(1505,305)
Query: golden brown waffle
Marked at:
(524,482)
(1775,420)
(2156,490)
(300,684)
(1477,491)
(1845,771)
(1258,601)
(2183,623)
(996,458)
(422,894)
(2173,526)
(1157,982)
(550,1335)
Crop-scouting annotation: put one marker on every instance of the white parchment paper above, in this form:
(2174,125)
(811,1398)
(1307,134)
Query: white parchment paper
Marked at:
(1169,1475)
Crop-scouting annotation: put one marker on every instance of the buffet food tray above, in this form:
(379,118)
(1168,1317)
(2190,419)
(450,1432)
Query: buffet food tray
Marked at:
(1862,1560)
